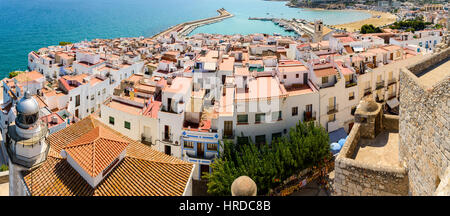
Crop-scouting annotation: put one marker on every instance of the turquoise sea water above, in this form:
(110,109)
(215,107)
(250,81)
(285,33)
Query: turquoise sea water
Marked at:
(27,25)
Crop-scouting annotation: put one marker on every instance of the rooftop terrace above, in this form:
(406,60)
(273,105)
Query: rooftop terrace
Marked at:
(383,150)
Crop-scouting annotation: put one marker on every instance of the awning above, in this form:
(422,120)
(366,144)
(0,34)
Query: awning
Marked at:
(336,135)
(392,103)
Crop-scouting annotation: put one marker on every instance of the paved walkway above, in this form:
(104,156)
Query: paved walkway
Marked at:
(312,189)
(4,189)
(436,73)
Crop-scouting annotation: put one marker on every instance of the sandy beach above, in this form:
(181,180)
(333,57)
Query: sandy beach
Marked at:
(385,18)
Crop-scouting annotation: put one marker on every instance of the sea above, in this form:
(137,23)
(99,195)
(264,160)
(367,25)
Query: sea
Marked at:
(27,25)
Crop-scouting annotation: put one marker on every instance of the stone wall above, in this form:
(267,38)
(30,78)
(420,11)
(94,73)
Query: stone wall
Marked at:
(424,128)
(429,61)
(363,179)
(390,122)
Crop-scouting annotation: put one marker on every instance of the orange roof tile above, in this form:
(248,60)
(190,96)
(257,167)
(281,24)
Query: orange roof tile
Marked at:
(322,72)
(143,172)
(95,150)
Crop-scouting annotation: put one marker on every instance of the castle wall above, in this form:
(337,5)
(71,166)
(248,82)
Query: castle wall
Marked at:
(390,122)
(355,178)
(424,142)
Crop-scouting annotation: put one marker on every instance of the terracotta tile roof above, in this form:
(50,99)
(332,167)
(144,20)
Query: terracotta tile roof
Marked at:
(29,76)
(143,172)
(322,72)
(95,150)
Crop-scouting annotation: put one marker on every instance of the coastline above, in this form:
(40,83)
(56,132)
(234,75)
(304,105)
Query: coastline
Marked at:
(385,19)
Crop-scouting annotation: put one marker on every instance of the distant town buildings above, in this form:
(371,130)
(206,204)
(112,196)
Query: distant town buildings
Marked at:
(148,105)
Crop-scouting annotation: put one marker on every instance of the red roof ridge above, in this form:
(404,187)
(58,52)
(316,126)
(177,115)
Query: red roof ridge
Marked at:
(91,151)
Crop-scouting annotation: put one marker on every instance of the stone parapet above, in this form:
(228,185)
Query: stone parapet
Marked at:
(429,61)
(363,179)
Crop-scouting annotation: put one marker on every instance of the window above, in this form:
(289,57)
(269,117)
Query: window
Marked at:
(260,140)
(242,140)
(284,76)
(352,112)
(324,80)
(92,110)
(104,90)
(70,98)
(111,120)
(127,125)
(296,75)
(259,117)
(98,93)
(242,119)
(188,144)
(276,116)
(275,136)
(331,117)
(351,95)
(77,100)
(294,111)
(92,97)
(211,146)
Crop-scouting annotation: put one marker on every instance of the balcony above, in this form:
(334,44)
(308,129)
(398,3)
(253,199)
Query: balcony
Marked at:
(167,137)
(379,85)
(332,109)
(309,116)
(146,140)
(27,152)
(193,155)
(350,83)
(367,91)
(392,81)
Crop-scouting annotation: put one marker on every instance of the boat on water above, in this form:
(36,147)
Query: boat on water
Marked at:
(276,34)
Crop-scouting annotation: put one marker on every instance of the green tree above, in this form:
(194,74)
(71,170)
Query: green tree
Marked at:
(3,168)
(438,26)
(307,145)
(63,43)
(369,28)
(14,73)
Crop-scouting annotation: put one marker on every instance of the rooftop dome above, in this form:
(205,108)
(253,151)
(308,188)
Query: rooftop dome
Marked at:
(27,105)
(27,111)
(243,186)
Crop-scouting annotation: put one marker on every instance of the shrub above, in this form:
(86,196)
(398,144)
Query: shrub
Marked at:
(3,168)
(306,146)
(14,73)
